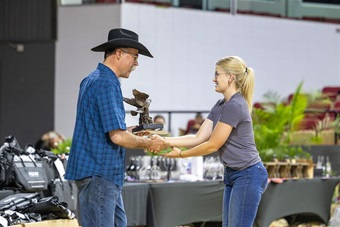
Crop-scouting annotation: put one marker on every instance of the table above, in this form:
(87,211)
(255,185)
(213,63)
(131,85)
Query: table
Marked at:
(179,203)
(187,202)
(298,201)
(135,197)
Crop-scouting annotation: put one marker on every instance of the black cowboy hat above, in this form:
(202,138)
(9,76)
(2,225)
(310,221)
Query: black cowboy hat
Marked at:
(120,37)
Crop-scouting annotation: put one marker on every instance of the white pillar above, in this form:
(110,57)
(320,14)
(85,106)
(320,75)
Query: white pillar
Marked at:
(233,7)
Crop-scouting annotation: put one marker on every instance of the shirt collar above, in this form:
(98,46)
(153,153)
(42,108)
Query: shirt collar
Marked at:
(108,71)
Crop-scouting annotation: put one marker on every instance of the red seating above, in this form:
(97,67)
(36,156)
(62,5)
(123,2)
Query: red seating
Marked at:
(321,19)
(309,123)
(335,110)
(263,105)
(106,1)
(330,20)
(331,92)
(257,105)
(318,110)
(222,9)
(336,106)
(135,1)
(290,98)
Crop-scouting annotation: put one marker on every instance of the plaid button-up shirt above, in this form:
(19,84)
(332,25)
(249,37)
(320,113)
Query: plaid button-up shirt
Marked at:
(100,109)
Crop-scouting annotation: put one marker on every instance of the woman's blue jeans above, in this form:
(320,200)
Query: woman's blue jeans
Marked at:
(101,203)
(242,194)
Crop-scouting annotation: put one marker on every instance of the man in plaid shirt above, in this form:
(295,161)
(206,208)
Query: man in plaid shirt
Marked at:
(97,157)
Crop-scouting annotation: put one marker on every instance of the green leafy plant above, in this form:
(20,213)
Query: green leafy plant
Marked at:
(64,147)
(336,125)
(275,122)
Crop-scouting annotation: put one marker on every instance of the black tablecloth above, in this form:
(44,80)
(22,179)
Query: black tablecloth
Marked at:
(135,197)
(181,203)
(171,204)
(298,201)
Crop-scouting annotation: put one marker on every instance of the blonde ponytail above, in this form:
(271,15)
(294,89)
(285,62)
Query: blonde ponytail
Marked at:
(247,89)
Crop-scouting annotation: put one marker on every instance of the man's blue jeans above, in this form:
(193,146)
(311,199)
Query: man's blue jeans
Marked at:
(101,203)
(242,194)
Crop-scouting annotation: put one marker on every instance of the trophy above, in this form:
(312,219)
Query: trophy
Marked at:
(142,102)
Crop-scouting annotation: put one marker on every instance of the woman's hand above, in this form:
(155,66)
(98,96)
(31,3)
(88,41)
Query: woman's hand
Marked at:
(175,153)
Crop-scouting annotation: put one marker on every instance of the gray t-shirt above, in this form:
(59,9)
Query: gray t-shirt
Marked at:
(239,151)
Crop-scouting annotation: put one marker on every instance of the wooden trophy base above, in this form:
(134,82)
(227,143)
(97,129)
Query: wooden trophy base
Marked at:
(152,128)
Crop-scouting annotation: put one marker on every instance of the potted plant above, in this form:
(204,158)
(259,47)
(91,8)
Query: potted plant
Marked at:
(274,124)
(63,147)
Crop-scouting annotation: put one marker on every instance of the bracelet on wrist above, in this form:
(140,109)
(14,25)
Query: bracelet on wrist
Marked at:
(180,154)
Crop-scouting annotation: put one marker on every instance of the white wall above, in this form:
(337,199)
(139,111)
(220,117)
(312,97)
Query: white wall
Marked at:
(186,45)
(79,29)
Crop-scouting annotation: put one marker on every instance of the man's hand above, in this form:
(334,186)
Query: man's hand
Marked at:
(157,144)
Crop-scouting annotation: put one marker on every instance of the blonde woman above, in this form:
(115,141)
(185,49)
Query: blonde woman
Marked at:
(228,130)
